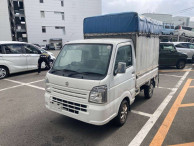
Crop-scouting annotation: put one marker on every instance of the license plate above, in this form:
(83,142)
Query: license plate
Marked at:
(56,106)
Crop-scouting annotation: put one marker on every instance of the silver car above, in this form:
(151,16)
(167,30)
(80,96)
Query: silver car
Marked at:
(17,57)
(185,47)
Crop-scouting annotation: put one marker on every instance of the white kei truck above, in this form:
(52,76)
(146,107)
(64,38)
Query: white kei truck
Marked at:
(95,80)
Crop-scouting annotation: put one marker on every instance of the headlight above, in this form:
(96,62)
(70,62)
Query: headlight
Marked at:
(98,94)
(47,86)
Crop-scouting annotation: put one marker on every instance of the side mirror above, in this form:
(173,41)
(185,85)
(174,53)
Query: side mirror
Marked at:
(121,68)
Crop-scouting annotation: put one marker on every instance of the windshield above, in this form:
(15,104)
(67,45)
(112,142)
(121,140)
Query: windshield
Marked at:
(90,61)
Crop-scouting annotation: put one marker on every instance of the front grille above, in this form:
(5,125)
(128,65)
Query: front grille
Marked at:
(70,92)
(68,105)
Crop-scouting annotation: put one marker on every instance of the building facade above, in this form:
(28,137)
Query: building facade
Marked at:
(167,18)
(49,21)
(5,29)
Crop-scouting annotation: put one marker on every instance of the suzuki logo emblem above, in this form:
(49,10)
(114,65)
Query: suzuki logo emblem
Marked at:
(67,83)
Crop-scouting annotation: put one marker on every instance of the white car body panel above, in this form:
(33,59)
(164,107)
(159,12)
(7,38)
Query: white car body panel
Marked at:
(20,62)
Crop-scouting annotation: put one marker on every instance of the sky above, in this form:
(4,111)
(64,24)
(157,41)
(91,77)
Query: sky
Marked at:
(174,7)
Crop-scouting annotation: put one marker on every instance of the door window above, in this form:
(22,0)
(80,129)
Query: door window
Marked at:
(13,49)
(183,45)
(124,54)
(167,47)
(31,49)
(1,50)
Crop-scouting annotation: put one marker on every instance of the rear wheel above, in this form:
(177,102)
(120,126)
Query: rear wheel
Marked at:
(3,72)
(122,114)
(181,64)
(149,90)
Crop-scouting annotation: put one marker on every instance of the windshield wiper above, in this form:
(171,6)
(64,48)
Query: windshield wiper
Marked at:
(63,70)
(86,73)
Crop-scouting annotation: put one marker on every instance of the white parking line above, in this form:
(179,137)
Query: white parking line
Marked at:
(171,75)
(165,88)
(23,84)
(10,87)
(141,113)
(138,139)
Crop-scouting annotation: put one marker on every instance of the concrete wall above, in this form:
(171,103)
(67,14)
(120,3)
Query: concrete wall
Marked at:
(166,18)
(74,12)
(191,24)
(180,20)
(5,30)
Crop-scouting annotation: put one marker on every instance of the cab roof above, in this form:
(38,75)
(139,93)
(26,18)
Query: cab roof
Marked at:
(113,41)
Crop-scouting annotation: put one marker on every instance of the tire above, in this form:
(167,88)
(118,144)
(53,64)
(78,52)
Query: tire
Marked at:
(121,118)
(149,90)
(181,64)
(3,72)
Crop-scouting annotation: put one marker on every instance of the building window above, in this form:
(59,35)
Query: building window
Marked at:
(63,16)
(42,14)
(43,29)
(60,27)
(62,3)
(44,40)
(41,1)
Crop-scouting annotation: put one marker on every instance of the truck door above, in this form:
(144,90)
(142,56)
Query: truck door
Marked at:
(124,83)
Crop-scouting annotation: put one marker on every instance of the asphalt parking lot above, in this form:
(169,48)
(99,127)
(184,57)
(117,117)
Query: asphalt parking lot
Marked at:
(165,119)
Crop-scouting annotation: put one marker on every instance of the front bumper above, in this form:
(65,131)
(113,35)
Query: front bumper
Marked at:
(93,114)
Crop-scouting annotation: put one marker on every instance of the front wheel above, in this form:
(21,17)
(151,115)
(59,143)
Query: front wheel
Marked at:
(181,64)
(122,114)
(149,90)
(3,72)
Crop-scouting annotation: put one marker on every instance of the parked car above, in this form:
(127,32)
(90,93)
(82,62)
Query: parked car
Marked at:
(17,57)
(169,56)
(40,46)
(184,31)
(50,47)
(168,29)
(185,47)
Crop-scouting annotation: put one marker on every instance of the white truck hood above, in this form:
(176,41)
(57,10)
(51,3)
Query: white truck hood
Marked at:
(72,83)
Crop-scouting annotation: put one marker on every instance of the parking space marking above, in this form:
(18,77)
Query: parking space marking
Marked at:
(141,113)
(10,87)
(14,81)
(187,105)
(24,84)
(164,128)
(171,75)
(184,70)
(184,144)
(165,88)
(138,139)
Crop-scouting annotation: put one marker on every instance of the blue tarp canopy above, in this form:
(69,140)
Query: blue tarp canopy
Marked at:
(128,22)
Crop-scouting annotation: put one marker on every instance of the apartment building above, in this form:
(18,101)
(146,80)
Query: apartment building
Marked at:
(46,21)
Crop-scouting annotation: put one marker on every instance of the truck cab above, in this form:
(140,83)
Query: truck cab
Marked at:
(91,81)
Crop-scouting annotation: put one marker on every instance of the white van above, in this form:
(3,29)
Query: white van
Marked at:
(17,57)
(96,80)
